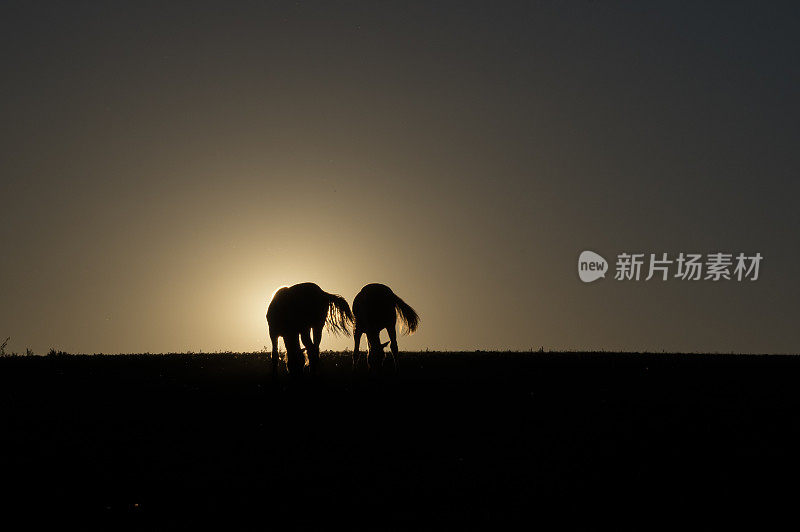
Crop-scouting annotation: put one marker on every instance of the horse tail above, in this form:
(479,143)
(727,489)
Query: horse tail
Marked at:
(408,315)
(340,317)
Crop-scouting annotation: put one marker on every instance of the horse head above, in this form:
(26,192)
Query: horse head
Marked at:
(376,355)
(295,355)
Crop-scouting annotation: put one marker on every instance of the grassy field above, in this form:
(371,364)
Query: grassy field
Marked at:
(571,440)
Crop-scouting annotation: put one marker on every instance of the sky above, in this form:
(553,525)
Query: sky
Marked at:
(166,166)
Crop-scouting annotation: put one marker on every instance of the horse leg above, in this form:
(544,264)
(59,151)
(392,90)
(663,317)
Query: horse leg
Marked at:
(295,360)
(357,335)
(375,355)
(313,356)
(317,340)
(393,345)
(275,356)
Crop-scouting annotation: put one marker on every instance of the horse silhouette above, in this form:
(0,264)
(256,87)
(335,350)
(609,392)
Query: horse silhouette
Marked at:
(375,308)
(296,311)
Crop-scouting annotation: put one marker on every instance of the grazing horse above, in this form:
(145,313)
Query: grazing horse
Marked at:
(376,307)
(296,311)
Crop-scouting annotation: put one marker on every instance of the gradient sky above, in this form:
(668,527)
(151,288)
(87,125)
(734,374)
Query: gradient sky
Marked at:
(167,165)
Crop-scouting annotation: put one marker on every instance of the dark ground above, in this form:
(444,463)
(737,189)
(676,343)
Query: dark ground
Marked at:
(576,440)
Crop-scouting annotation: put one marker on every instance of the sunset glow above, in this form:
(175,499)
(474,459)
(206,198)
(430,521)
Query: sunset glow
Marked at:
(160,185)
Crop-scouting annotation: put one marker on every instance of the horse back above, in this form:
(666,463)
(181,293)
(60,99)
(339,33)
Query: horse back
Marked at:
(297,308)
(374,305)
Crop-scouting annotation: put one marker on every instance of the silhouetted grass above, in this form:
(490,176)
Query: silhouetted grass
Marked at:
(486,439)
